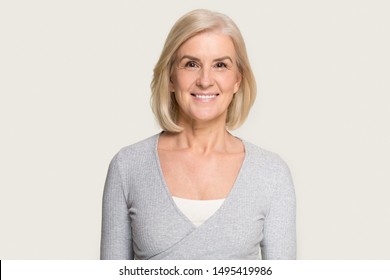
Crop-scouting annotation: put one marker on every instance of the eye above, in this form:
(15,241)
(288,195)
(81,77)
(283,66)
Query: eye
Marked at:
(220,65)
(191,64)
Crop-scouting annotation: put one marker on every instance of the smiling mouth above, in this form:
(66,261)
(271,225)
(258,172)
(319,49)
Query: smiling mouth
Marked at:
(205,96)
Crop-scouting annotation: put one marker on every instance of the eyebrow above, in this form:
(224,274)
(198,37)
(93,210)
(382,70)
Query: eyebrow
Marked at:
(197,59)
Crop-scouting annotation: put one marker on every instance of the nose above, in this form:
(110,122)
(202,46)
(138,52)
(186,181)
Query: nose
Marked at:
(205,78)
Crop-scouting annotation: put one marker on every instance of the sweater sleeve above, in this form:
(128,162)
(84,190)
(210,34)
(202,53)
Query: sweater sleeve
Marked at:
(279,240)
(116,242)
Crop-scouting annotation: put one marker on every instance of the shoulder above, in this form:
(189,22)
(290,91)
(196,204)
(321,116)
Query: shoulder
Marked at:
(136,152)
(272,172)
(146,145)
(265,159)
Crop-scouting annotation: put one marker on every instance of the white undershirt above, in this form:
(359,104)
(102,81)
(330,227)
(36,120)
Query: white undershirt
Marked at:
(198,211)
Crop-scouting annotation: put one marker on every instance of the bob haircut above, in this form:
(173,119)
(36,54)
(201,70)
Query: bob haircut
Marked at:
(163,102)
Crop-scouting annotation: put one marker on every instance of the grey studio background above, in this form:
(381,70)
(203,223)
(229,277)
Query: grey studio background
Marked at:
(74,84)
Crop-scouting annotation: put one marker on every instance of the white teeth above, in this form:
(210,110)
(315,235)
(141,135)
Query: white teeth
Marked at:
(202,96)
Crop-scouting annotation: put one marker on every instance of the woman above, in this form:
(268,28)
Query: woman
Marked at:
(195,191)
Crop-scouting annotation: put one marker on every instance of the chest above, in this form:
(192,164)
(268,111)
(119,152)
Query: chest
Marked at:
(200,177)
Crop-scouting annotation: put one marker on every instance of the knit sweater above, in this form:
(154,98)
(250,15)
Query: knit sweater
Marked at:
(141,221)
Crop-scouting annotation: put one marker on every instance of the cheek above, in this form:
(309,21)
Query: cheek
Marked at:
(179,82)
(176,82)
(231,83)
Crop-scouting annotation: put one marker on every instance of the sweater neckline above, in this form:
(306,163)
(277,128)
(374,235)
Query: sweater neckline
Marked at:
(227,199)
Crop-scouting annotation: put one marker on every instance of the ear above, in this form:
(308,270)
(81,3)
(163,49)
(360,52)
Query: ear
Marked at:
(171,88)
(238,83)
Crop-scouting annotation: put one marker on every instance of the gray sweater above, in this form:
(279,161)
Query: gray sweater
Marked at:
(141,220)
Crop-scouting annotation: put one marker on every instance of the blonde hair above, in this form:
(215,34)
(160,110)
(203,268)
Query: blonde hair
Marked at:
(164,104)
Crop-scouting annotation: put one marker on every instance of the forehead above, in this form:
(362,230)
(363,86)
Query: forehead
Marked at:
(208,45)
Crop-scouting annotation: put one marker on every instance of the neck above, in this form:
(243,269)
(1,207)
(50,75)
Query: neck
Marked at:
(203,140)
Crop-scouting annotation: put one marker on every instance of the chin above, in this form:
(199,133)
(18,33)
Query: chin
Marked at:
(208,118)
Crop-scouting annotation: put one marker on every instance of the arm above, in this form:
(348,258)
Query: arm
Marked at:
(116,240)
(279,240)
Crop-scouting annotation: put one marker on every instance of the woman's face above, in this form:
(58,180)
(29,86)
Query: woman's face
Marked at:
(205,78)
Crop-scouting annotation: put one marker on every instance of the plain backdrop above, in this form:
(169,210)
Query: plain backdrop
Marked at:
(74,84)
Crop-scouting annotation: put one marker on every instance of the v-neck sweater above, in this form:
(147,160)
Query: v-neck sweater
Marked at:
(140,220)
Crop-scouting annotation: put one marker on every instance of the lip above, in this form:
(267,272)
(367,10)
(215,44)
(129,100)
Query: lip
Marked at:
(205,97)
